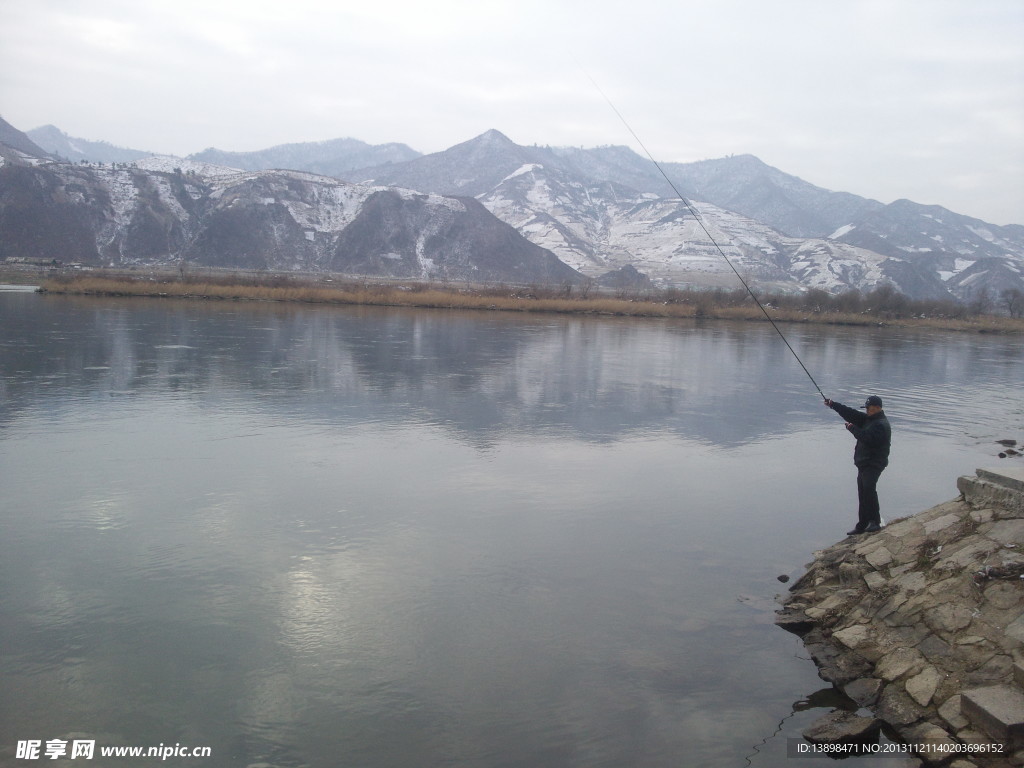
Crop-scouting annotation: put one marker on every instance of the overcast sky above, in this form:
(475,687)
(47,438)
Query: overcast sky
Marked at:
(888,99)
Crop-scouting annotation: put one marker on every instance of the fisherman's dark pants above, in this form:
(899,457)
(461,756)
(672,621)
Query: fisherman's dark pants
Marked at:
(867,496)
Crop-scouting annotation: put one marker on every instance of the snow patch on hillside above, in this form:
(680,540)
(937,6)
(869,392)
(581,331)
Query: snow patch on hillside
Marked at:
(169,164)
(959,265)
(523,169)
(983,233)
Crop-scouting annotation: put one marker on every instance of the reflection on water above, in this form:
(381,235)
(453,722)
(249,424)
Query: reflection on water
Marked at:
(315,536)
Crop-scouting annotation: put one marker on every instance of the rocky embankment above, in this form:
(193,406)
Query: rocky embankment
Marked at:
(922,624)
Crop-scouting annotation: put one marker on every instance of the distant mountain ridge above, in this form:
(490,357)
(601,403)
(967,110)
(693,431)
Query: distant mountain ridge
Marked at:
(333,157)
(15,139)
(160,211)
(605,209)
(740,183)
(601,209)
(56,142)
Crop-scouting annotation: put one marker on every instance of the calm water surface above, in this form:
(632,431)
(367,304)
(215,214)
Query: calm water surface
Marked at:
(355,537)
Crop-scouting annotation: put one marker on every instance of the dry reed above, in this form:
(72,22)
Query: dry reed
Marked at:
(489,298)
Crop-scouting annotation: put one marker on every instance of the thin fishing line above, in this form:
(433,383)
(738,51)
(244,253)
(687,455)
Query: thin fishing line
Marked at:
(697,218)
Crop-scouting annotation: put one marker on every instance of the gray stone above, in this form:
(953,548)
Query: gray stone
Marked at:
(1007,532)
(793,620)
(900,662)
(842,728)
(897,708)
(941,523)
(1005,594)
(906,636)
(871,543)
(972,736)
(968,554)
(948,618)
(935,742)
(982,515)
(950,712)
(933,647)
(1016,629)
(834,664)
(850,574)
(1018,675)
(874,580)
(998,669)
(891,605)
(921,686)
(899,570)
(905,528)
(864,691)
(838,599)
(879,558)
(971,640)
(997,710)
(853,637)
(911,582)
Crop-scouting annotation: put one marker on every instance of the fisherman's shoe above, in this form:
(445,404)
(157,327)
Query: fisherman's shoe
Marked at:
(858,531)
(872,527)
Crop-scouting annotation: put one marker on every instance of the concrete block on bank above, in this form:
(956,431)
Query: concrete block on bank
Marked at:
(997,710)
(1001,487)
(1008,477)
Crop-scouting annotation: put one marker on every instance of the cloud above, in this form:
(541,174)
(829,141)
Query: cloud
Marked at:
(882,99)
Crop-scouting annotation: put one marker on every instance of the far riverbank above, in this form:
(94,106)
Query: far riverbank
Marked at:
(565,299)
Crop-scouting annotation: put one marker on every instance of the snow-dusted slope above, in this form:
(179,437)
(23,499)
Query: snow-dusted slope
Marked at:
(601,227)
(602,208)
(162,210)
(599,211)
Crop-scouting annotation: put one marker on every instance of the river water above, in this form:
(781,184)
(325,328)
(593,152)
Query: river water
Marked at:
(315,536)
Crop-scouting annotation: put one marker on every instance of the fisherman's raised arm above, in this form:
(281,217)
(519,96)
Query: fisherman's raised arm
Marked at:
(851,415)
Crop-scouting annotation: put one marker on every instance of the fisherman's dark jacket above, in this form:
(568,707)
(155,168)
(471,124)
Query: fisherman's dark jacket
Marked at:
(873,433)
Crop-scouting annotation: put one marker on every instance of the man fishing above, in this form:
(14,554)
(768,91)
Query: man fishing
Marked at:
(871,456)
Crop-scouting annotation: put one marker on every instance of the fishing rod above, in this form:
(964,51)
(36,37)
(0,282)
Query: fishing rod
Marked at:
(700,221)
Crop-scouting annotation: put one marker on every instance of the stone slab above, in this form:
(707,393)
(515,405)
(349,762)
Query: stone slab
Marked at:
(853,637)
(941,523)
(1015,628)
(1008,477)
(900,662)
(879,558)
(921,686)
(998,710)
(935,744)
(842,727)
(866,690)
(950,712)
(874,580)
(1007,532)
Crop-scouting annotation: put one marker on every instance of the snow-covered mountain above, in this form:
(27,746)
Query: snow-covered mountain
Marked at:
(600,227)
(598,210)
(164,210)
(605,208)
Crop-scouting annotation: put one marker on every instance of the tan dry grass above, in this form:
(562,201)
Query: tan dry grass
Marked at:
(368,294)
(421,295)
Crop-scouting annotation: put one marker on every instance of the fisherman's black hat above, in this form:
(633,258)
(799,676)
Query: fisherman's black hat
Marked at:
(873,400)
